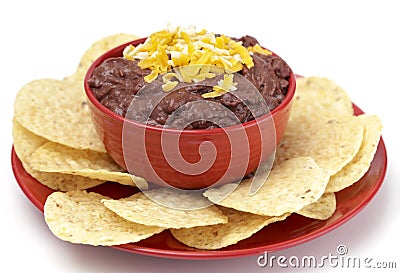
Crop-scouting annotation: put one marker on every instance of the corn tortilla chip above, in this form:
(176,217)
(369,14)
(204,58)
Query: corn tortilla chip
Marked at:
(359,165)
(320,98)
(54,157)
(100,47)
(332,143)
(290,186)
(25,143)
(80,217)
(241,225)
(141,209)
(57,112)
(322,209)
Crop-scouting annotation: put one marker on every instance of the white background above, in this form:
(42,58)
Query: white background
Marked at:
(355,43)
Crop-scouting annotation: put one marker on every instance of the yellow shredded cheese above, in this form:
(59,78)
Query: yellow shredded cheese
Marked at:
(169,76)
(223,86)
(169,85)
(216,93)
(185,55)
(179,47)
(258,49)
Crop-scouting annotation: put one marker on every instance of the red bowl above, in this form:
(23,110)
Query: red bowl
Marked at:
(187,159)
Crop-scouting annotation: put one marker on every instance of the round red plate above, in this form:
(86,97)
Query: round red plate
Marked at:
(293,231)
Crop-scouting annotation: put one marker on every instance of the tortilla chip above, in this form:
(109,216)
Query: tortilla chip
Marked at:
(100,47)
(290,186)
(320,98)
(241,225)
(25,143)
(53,157)
(359,165)
(322,209)
(80,217)
(146,209)
(57,112)
(332,143)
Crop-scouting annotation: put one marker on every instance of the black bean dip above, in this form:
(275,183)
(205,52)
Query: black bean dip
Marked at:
(117,81)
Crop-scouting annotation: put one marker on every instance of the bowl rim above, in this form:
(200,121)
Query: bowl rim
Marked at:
(111,52)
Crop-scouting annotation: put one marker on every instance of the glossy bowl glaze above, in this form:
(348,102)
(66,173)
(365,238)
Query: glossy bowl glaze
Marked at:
(234,151)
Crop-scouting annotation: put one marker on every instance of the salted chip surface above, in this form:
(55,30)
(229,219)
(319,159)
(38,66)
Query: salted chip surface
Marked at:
(333,143)
(54,157)
(80,217)
(322,209)
(101,46)
(320,98)
(241,225)
(360,164)
(293,184)
(146,209)
(57,112)
(25,143)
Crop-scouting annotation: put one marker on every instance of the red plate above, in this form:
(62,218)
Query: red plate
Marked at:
(293,231)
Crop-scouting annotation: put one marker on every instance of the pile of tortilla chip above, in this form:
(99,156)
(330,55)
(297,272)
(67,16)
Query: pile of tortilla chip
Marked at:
(325,149)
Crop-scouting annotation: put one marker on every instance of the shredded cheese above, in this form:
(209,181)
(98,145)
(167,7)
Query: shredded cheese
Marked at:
(169,85)
(258,49)
(223,86)
(186,51)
